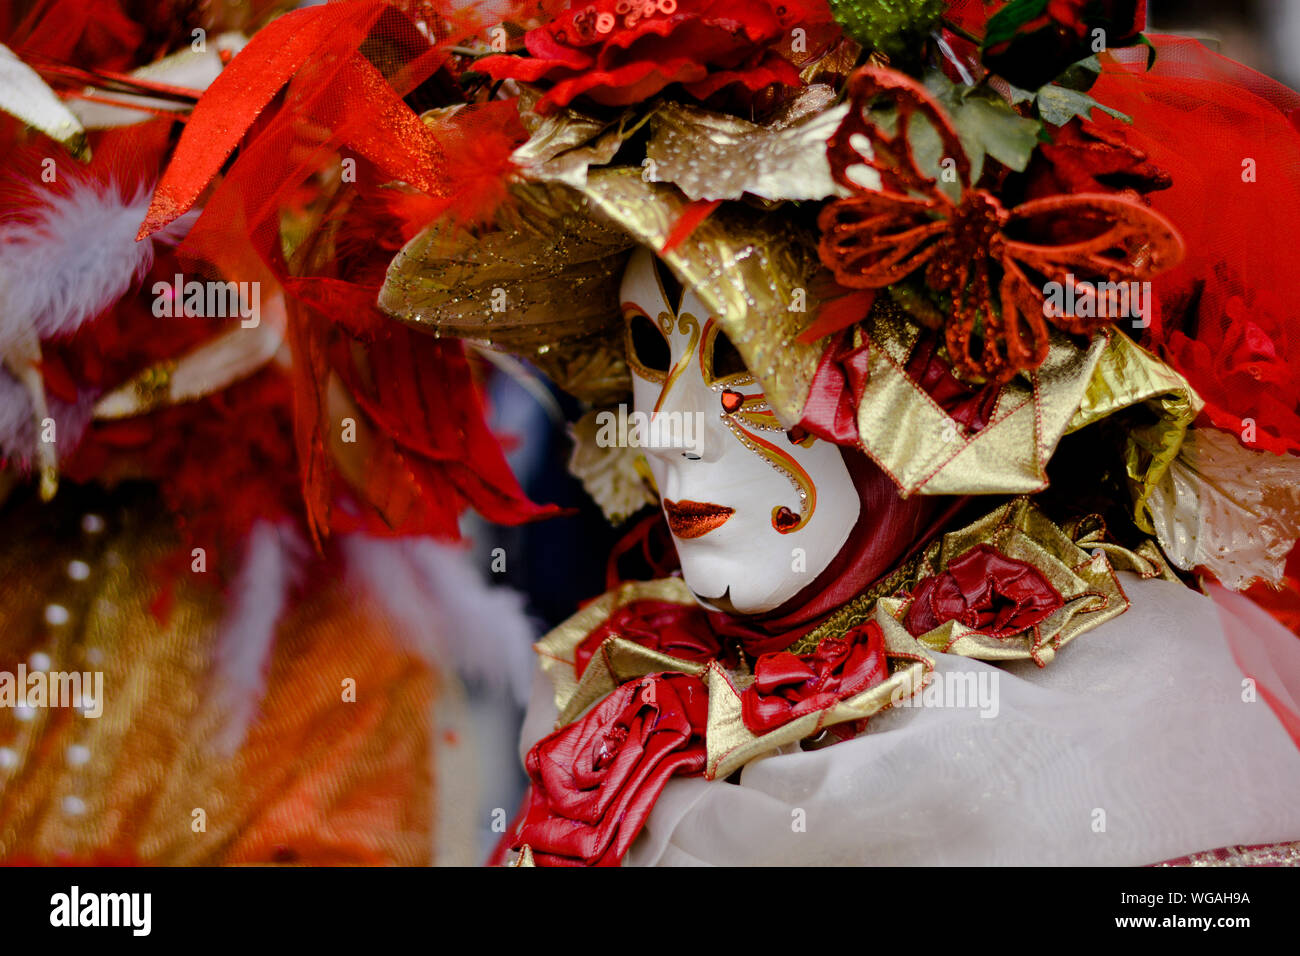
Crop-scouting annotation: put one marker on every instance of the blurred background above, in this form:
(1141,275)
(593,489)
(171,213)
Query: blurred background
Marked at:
(1263,34)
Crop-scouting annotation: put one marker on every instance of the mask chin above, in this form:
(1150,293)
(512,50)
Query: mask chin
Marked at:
(741,596)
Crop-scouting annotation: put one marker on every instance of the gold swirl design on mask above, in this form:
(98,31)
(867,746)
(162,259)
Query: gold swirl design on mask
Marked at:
(754,413)
(783,519)
(689,325)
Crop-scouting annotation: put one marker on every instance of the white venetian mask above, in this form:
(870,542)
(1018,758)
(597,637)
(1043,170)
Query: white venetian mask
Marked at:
(755,515)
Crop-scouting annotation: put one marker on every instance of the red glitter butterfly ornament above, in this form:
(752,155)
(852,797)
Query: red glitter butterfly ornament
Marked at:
(873,239)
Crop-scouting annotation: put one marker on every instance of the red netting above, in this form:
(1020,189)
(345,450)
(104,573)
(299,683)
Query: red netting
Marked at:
(1227,317)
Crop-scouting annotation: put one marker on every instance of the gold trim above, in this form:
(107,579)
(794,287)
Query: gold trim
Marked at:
(730,744)
(687,325)
(557,649)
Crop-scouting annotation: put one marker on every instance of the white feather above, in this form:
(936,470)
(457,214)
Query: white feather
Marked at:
(18,427)
(447,610)
(76,256)
(273,559)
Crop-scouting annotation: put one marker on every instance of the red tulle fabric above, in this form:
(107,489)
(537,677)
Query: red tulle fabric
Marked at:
(1266,655)
(1227,136)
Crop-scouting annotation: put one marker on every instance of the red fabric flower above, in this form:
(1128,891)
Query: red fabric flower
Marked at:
(1030,44)
(618,52)
(677,629)
(984,590)
(595,781)
(1243,365)
(1085,158)
(788,686)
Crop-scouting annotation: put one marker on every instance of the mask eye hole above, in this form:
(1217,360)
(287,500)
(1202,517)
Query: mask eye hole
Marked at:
(647,349)
(726,359)
(720,361)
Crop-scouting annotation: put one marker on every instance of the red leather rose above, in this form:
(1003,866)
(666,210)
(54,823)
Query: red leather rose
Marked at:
(676,629)
(787,686)
(595,781)
(985,590)
(618,52)
(1031,43)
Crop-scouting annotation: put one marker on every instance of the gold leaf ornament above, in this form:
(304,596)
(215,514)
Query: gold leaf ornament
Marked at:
(27,98)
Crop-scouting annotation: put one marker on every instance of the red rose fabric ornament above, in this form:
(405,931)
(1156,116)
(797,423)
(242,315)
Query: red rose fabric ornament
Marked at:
(986,591)
(788,686)
(1246,362)
(619,52)
(1084,158)
(674,629)
(595,780)
(1031,42)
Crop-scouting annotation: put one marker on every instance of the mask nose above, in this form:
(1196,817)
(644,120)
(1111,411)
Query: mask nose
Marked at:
(687,429)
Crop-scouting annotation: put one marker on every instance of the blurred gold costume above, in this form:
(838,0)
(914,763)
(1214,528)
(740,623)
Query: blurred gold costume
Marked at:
(318,779)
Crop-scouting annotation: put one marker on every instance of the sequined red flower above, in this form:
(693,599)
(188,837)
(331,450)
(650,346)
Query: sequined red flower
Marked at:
(986,591)
(595,780)
(618,52)
(788,686)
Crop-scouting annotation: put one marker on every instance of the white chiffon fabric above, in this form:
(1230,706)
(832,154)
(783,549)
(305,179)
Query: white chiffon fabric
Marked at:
(1138,744)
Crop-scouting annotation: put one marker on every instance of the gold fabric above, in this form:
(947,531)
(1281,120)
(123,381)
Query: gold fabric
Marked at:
(544,281)
(1127,375)
(711,155)
(731,745)
(26,97)
(561,147)
(558,648)
(317,779)
(928,452)
(541,282)
(1084,579)
(752,273)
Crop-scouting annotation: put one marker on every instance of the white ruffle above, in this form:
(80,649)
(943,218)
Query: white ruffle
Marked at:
(1134,746)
